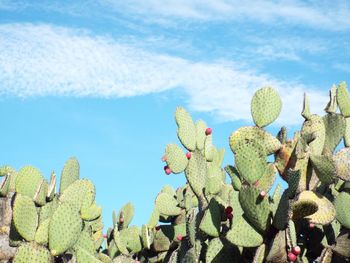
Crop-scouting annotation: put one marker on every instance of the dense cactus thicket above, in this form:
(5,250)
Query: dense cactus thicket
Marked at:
(207,219)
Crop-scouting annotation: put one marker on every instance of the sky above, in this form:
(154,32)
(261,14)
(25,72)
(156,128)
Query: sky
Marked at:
(100,80)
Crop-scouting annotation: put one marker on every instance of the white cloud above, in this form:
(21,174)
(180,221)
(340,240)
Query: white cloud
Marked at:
(321,14)
(41,60)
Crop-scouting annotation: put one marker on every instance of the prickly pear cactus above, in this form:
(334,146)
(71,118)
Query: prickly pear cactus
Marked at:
(209,219)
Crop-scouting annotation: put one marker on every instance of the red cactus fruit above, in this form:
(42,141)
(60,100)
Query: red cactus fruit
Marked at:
(179,237)
(157,228)
(167,170)
(262,194)
(104,236)
(208,131)
(229,216)
(292,257)
(228,210)
(312,225)
(188,155)
(296,250)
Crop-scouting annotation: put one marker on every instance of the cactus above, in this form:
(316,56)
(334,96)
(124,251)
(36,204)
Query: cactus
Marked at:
(208,219)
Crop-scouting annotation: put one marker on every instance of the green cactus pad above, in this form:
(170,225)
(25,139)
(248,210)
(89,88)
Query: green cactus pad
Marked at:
(278,251)
(266,105)
(52,187)
(84,256)
(250,160)
(90,212)
(324,213)
(214,185)
(214,248)
(104,258)
(335,125)
(127,211)
(27,182)
(280,219)
(173,231)
(161,242)
(343,99)
(145,237)
(41,193)
(332,104)
(211,221)
(70,173)
(5,185)
(235,177)
(153,220)
(64,228)
(293,179)
(347,133)
(248,133)
(186,129)
(256,208)
(324,168)
(8,170)
(42,234)
(342,246)
(201,126)
(47,210)
(233,201)
(341,204)
(32,253)
(209,148)
(243,234)
(260,254)
(169,190)
(342,164)
(85,242)
(275,198)
(167,205)
(175,158)
(314,128)
(79,192)
(131,237)
(268,178)
(124,259)
(25,217)
(196,173)
(306,108)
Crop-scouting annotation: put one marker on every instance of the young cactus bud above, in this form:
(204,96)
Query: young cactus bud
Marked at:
(167,170)
(188,155)
(296,250)
(208,131)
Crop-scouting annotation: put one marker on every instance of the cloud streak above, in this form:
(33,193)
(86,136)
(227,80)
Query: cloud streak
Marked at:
(318,14)
(45,60)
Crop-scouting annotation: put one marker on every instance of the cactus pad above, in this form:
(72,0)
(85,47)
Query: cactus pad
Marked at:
(32,253)
(175,158)
(343,99)
(342,207)
(42,234)
(210,223)
(25,217)
(255,207)
(196,173)
(243,234)
(314,207)
(266,105)
(324,168)
(247,134)
(250,160)
(214,248)
(201,126)
(70,173)
(335,125)
(79,192)
(167,205)
(64,228)
(186,129)
(235,178)
(28,180)
(342,164)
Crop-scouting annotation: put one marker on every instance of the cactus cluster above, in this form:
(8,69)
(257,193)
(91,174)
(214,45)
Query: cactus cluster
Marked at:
(48,226)
(210,218)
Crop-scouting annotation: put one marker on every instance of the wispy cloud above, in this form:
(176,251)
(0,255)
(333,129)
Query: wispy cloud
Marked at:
(319,14)
(41,60)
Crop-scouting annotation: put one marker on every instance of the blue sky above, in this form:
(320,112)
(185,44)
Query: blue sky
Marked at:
(100,80)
